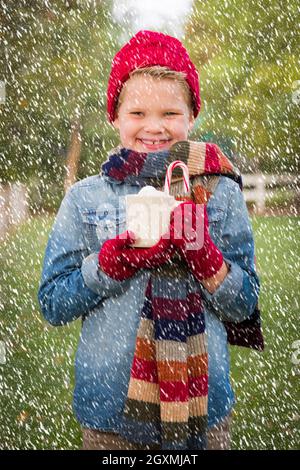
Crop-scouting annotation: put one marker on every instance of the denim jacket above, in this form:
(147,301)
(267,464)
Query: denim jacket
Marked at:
(73,286)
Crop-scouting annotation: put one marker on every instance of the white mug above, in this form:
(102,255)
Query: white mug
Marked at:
(148,212)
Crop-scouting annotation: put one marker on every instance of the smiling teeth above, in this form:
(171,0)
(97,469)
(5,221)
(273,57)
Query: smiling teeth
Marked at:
(154,141)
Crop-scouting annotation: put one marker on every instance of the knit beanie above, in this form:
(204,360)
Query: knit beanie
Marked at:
(146,49)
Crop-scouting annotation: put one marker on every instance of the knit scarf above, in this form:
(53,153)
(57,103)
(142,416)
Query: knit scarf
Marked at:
(168,387)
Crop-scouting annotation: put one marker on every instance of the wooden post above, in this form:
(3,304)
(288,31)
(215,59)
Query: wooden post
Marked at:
(4,211)
(13,206)
(73,155)
(18,204)
(261,194)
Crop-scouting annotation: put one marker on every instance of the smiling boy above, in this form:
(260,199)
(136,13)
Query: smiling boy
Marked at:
(154,110)
(152,366)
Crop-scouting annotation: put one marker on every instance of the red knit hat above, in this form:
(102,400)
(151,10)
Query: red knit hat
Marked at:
(145,49)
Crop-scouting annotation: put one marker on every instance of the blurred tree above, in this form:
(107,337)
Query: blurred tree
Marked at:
(55,60)
(248,58)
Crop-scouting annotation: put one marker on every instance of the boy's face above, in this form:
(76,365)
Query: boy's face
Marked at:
(153,115)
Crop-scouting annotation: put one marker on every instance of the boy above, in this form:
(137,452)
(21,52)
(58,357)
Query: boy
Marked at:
(155,319)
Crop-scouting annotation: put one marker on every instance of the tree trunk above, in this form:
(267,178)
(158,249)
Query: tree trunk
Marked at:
(73,155)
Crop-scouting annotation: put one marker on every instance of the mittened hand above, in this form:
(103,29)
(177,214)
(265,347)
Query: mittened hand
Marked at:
(149,257)
(120,261)
(110,257)
(189,233)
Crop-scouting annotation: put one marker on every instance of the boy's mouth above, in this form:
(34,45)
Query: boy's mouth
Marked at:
(152,144)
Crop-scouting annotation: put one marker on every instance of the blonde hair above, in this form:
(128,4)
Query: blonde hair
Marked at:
(160,72)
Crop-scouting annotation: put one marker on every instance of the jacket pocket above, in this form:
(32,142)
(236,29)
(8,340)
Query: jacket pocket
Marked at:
(216,218)
(102,224)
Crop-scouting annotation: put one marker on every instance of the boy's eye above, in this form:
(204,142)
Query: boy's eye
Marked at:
(168,113)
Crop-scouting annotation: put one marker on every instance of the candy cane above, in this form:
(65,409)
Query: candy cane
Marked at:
(186,182)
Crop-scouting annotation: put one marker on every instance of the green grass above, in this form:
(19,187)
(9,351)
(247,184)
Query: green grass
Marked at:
(37,380)
(36,383)
(267,414)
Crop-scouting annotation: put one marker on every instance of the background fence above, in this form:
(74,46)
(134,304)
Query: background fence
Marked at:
(259,187)
(14,206)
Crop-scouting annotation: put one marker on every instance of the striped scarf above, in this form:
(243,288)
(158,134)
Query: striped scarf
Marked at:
(168,387)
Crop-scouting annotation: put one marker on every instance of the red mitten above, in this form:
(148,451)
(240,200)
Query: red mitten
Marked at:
(189,232)
(151,257)
(110,257)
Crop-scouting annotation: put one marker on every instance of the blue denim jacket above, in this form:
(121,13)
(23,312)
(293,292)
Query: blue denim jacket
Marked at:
(73,286)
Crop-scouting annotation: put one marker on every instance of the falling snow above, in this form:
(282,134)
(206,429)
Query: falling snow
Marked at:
(54,68)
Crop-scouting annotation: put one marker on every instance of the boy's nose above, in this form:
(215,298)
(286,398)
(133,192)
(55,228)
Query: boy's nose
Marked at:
(153,126)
